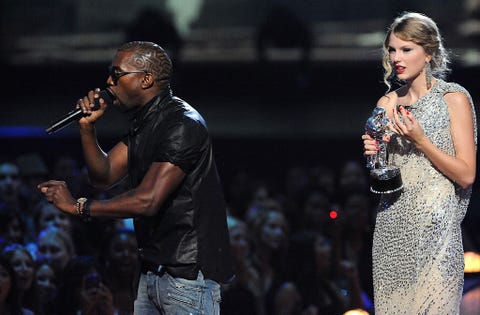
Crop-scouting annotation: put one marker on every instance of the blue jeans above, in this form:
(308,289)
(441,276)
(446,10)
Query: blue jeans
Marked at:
(165,295)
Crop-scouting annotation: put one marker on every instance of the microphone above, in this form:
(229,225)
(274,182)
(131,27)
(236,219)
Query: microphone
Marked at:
(77,113)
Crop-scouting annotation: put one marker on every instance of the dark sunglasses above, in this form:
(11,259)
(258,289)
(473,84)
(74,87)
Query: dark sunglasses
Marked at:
(116,73)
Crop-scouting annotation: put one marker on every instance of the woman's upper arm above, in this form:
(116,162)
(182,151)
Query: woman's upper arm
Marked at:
(462,127)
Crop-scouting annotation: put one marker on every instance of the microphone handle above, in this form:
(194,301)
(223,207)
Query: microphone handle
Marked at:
(65,121)
(77,113)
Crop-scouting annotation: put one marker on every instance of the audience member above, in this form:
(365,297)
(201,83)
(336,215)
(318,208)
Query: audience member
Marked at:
(47,215)
(324,179)
(45,288)
(55,246)
(9,184)
(352,178)
(82,290)
(315,212)
(12,229)
(264,196)
(9,301)
(23,265)
(315,277)
(118,265)
(33,170)
(356,237)
(269,248)
(242,294)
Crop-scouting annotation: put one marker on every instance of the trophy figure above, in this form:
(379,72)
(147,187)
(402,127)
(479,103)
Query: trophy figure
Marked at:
(384,178)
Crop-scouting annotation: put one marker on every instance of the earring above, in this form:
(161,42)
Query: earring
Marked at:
(428,75)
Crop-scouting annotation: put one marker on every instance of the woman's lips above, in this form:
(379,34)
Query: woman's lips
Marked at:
(399,69)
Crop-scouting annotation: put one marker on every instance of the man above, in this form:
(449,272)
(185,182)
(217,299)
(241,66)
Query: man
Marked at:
(176,199)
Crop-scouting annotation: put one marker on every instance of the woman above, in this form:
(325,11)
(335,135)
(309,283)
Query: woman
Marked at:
(55,246)
(417,249)
(24,267)
(47,215)
(45,288)
(242,294)
(9,300)
(269,248)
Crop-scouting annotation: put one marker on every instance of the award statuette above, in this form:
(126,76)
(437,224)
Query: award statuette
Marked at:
(384,178)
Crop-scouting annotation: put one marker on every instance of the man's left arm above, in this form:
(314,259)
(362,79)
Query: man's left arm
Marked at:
(159,182)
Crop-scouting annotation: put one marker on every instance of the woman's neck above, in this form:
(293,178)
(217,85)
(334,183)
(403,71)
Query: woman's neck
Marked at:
(414,90)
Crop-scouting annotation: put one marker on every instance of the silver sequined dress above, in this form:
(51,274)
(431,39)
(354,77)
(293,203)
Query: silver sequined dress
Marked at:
(417,248)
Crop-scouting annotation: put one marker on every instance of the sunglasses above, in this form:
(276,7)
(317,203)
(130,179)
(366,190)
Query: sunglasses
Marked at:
(116,73)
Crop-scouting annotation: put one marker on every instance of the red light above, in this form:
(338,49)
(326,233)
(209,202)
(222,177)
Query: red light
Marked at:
(333,214)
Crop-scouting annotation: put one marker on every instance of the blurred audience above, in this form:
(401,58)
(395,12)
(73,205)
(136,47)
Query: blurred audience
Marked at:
(300,241)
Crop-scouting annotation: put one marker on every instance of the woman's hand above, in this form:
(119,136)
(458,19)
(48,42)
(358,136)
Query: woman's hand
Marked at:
(406,125)
(370,145)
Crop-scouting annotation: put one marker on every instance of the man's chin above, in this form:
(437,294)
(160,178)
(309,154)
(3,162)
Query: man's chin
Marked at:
(123,109)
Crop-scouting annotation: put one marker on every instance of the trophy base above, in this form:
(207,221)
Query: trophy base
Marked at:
(385,180)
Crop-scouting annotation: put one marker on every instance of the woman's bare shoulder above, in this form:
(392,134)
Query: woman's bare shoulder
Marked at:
(388,101)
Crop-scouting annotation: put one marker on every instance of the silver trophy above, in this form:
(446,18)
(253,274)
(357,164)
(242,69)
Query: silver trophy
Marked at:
(384,178)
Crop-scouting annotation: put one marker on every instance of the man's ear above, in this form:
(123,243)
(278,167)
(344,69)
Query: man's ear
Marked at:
(148,80)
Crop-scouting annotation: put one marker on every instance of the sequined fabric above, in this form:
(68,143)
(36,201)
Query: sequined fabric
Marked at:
(417,250)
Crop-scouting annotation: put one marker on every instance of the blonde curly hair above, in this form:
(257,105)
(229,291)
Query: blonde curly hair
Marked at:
(423,31)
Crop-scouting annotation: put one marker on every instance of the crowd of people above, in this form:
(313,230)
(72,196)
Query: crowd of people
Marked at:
(299,246)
